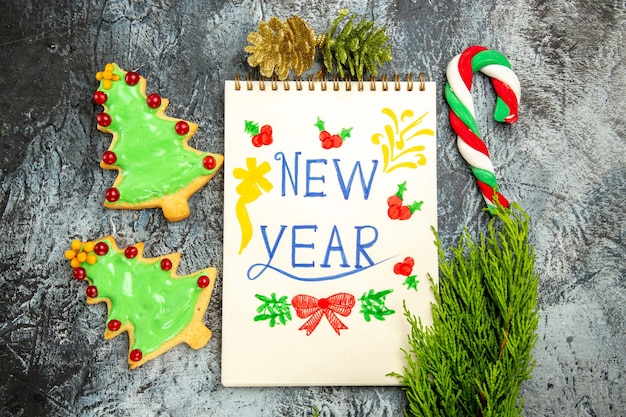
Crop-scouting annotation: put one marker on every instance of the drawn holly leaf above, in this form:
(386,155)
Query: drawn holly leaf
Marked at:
(373,305)
(275,310)
(411,282)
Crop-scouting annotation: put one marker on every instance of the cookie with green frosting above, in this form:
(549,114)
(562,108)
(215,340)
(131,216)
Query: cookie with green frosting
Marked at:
(156,166)
(145,297)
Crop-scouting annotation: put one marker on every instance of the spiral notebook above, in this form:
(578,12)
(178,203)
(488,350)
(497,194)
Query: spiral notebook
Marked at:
(330,196)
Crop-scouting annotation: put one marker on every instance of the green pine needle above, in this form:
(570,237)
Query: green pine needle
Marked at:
(478,351)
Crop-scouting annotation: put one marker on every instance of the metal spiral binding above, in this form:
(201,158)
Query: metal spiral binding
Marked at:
(313,80)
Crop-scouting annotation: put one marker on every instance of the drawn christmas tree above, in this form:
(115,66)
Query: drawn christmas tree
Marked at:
(145,297)
(156,167)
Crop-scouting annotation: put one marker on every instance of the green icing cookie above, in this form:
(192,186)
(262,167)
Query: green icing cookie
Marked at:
(145,297)
(156,167)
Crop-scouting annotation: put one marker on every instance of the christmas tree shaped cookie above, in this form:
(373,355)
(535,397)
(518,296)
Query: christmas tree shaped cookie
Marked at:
(145,297)
(156,167)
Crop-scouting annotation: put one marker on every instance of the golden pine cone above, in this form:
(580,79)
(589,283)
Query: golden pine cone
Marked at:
(278,47)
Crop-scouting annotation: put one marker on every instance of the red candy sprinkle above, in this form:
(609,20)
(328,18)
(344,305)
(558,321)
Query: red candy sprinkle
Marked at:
(154,101)
(100,97)
(101,249)
(103,119)
(114,325)
(203,281)
(91,291)
(130,252)
(109,157)
(135,355)
(209,162)
(79,273)
(166,264)
(112,194)
(132,78)
(182,127)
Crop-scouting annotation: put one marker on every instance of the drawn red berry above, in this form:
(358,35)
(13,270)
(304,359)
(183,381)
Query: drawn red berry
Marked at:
(327,143)
(405,267)
(266,138)
(402,269)
(331,141)
(394,212)
(394,200)
(395,204)
(397,209)
(337,141)
(256,140)
(260,136)
(267,129)
(405,213)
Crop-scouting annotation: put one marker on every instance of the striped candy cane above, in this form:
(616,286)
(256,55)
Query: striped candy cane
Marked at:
(463,118)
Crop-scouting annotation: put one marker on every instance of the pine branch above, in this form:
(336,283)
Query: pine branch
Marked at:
(478,351)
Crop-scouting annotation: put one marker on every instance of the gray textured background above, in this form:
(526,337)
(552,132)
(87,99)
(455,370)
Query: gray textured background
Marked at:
(564,162)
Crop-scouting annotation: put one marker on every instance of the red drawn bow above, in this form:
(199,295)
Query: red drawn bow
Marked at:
(307,306)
